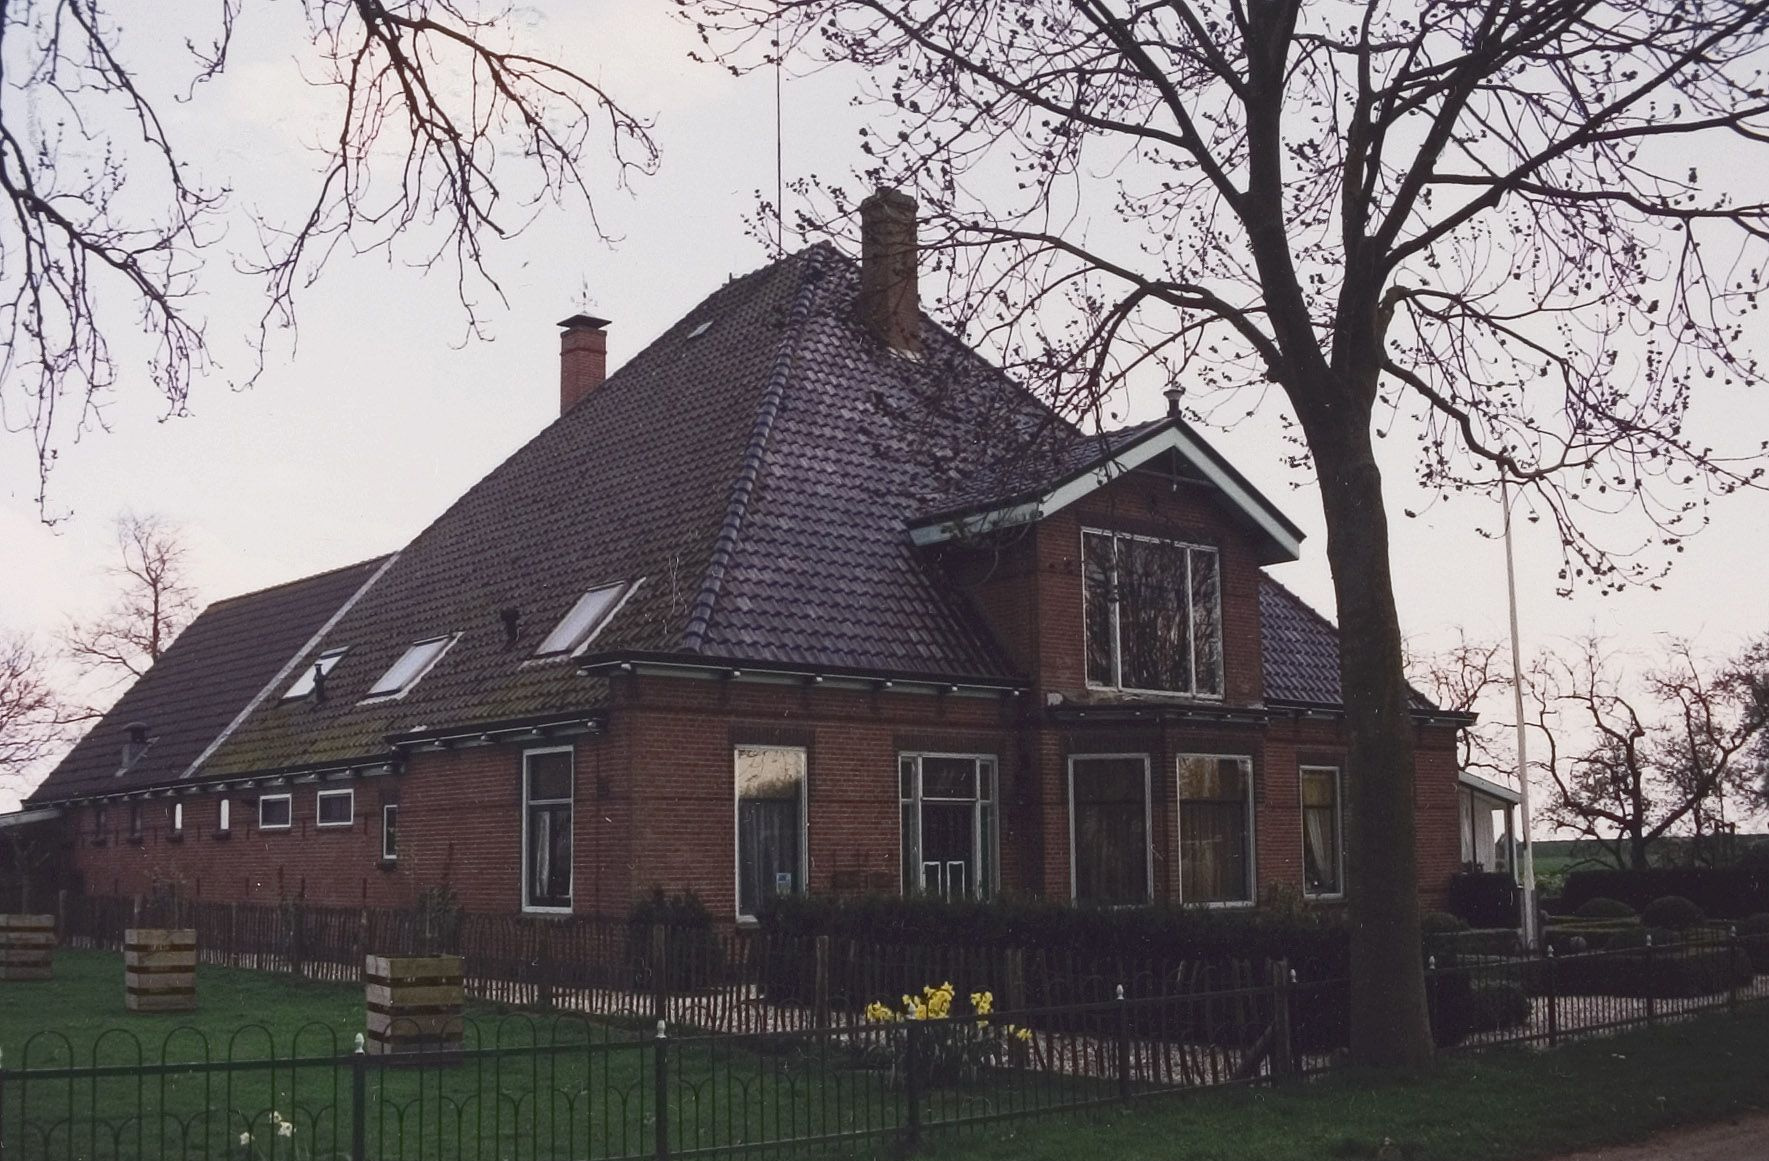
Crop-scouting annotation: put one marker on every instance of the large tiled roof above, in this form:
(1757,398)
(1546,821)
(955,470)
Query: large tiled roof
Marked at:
(758,465)
(1300,652)
(212,671)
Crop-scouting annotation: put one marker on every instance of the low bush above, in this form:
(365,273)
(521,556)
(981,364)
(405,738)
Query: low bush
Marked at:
(1484,899)
(1732,892)
(1753,936)
(1672,911)
(1677,973)
(1603,907)
(694,955)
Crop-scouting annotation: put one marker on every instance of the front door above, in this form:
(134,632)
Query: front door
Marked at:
(948,848)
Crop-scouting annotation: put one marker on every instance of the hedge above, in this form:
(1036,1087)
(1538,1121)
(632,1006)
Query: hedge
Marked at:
(1667,974)
(1722,892)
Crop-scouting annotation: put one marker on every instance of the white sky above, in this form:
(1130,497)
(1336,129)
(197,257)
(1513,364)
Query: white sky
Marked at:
(350,444)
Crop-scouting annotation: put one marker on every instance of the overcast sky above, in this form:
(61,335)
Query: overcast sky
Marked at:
(383,414)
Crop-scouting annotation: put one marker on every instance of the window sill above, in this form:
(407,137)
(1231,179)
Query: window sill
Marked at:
(387,864)
(331,826)
(546,911)
(222,836)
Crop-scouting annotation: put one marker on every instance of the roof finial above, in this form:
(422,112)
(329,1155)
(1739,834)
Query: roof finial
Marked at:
(1174,394)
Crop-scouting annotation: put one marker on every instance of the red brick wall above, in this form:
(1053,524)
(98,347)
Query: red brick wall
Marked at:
(654,804)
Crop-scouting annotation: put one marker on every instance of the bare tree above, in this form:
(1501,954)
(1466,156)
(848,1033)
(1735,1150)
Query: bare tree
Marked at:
(1469,677)
(155,601)
(33,720)
(1487,220)
(441,126)
(1670,753)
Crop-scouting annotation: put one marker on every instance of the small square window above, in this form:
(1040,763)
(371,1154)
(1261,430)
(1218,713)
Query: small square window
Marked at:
(275,812)
(412,665)
(584,620)
(321,666)
(336,808)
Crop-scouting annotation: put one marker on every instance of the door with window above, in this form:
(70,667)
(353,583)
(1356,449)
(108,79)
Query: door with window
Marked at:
(948,813)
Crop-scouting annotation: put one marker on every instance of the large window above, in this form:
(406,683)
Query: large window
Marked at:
(770,824)
(1322,864)
(546,830)
(1215,829)
(1109,829)
(948,803)
(1153,613)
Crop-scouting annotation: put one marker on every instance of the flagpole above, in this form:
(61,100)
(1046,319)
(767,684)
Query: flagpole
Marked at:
(1528,849)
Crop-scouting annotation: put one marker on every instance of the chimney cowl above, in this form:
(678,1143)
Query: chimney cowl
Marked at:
(890,302)
(583,358)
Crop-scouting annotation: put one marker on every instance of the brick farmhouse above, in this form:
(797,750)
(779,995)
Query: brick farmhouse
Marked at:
(804,597)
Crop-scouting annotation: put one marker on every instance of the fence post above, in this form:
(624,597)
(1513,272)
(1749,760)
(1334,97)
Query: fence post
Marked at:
(1553,1001)
(1732,968)
(543,969)
(1283,1057)
(912,1087)
(660,988)
(1651,984)
(1123,1045)
(662,1098)
(1014,985)
(820,996)
(61,914)
(233,934)
(358,1100)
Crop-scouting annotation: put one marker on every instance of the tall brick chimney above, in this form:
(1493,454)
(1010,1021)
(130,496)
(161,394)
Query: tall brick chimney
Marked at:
(890,305)
(583,358)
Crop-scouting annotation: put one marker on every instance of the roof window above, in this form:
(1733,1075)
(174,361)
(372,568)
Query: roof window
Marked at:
(412,665)
(701,329)
(310,675)
(585,619)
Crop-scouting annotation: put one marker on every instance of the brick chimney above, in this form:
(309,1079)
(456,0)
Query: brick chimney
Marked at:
(583,358)
(890,306)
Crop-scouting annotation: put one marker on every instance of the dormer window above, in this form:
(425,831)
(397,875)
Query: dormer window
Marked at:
(1153,614)
(411,667)
(312,674)
(586,618)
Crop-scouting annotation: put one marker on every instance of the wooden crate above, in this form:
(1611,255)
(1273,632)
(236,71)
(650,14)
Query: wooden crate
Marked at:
(160,969)
(27,947)
(413,1003)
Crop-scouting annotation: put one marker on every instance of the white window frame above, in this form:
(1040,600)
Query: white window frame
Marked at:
(1179,836)
(804,870)
(391,809)
(325,663)
(178,818)
(522,874)
(1117,685)
(578,647)
(1338,828)
(224,817)
(1148,823)
(286,798)
(448,640)
(348,794)
(993,838)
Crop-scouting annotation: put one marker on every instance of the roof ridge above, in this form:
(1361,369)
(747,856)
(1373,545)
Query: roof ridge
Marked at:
(300,580)
(750,470)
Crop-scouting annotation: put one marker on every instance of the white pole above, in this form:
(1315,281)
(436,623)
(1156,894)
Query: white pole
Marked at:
(1527,847)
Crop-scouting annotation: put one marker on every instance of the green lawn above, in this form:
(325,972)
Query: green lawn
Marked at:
(593,1094)
(1508,1104)
(556,1087)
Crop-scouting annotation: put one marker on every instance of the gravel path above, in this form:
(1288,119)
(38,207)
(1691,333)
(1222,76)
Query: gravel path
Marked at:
(1745,1139)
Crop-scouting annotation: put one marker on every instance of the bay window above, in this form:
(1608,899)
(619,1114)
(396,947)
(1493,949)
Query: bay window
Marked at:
(948,820)
(1215,828)
(1322,872)
(771,847)
(546,830)
(1109,829)
(1153,614)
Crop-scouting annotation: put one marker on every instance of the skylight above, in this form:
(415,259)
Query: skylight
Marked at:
(323,663)
(584,620)
(411,666)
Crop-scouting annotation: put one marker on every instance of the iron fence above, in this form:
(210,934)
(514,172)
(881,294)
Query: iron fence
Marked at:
(572,1085)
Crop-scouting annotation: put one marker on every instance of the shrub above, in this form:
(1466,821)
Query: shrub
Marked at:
(1602,907)
(693,953)
(1440,922)
(1685,971)
(1732,892)
(1753,935)
(1672,911)
(1484,899)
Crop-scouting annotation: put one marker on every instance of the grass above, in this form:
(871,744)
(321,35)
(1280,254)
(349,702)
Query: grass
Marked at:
(563,1087)
(1508,1104)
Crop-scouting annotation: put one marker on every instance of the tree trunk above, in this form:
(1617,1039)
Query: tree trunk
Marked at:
(1390,1025)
